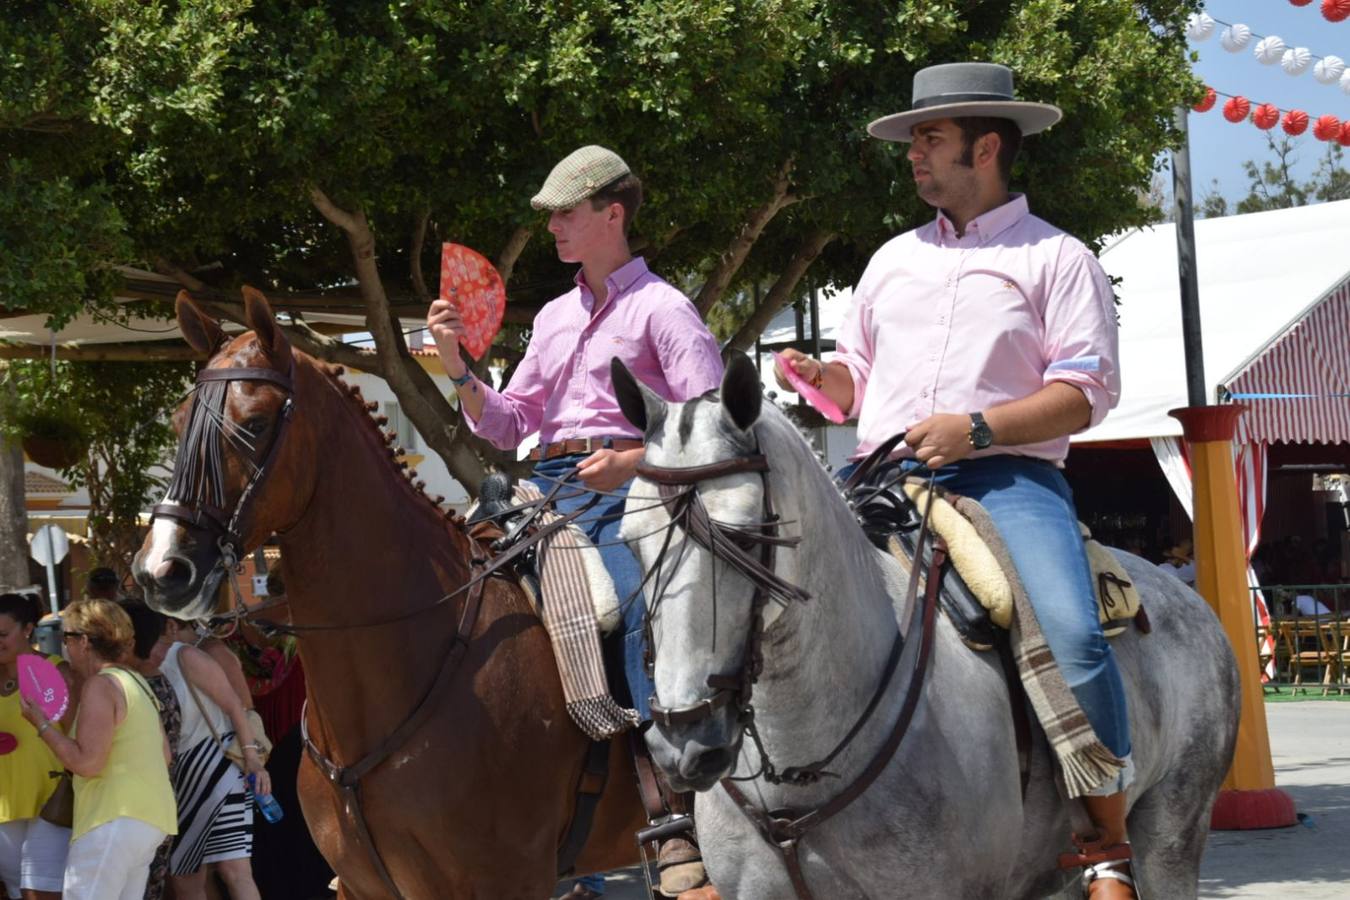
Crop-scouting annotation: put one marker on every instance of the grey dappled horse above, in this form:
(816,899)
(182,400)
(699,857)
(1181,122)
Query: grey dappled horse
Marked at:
(946,817)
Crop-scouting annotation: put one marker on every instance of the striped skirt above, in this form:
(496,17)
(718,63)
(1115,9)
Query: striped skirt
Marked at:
(215,809)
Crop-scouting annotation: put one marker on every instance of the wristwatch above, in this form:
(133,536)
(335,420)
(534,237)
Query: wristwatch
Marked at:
(463,379)
(981,436)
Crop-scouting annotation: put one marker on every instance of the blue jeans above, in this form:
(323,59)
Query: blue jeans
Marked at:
(1032,507)
(601,524)
(594,882)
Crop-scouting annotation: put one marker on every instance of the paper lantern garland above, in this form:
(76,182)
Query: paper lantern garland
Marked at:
(1327,128)
(1200,26)
(1300,2)
(1336,10)
(1269,49)
(1296,60)
(1235,37)
(1329,69)
(1345,81)
(1295,122)
(1266,116)
(1344,137)
(1236,108)
(1205,105)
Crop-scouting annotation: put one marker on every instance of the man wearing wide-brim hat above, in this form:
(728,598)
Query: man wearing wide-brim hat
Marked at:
(562,390)
(989,336)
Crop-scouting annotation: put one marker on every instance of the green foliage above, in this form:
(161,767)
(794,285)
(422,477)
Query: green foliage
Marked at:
(122,410)
(1273,184)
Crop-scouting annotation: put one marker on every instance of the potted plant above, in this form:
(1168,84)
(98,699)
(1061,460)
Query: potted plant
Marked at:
(52,435)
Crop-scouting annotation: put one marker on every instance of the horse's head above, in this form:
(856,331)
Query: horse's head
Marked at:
(698,518)
(238,475)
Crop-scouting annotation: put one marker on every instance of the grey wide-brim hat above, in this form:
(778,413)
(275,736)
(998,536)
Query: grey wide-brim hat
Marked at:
(959,90)
(581,174)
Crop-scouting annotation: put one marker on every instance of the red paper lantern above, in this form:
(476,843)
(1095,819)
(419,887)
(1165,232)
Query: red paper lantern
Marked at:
(1208,102)
(1236,109)
(1344,136)
(1295,122)
(1336,10)
(1265,116)
(1300,2)
(1328,128)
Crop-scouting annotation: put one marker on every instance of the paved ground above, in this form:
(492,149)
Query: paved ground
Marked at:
(1310,743)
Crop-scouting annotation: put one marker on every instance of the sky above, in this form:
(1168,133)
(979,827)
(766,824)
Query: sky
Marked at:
(1218,147)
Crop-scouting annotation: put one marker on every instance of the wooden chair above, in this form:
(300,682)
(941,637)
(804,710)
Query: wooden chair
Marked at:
(1309,644)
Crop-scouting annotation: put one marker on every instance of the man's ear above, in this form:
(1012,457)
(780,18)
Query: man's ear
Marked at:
(640,404)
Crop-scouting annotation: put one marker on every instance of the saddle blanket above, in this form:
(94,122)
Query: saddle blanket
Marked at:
(975,562)
(579,607)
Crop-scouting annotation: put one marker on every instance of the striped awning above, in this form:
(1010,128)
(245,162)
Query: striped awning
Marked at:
(1297,387)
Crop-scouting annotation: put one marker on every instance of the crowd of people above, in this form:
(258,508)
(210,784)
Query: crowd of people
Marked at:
(146,782)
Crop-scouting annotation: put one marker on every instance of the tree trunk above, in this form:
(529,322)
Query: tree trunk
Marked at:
(13,519)
(418,396)
(780,295)
(729,263)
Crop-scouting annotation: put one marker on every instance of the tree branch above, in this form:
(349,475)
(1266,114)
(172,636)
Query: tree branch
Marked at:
(729,263)
(780,295)
(415,257)
(418,396)
(515,245)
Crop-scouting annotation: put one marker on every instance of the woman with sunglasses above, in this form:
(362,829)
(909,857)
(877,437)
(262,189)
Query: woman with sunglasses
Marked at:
(119,755)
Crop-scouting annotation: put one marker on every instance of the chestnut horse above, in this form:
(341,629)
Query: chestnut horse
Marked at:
(473,801)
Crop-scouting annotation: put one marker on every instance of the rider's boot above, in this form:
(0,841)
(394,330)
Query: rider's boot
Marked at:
(679,860)
(1111,878)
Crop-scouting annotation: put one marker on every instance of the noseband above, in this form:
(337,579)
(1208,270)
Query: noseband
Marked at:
(198,481)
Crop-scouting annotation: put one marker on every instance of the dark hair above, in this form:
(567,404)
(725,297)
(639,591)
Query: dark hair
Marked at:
(148,625)
(103,581)
(25,609)
(1009,140)
(626,191)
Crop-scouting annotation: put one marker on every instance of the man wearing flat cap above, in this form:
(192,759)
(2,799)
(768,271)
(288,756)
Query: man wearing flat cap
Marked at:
(562,389)
(988,336)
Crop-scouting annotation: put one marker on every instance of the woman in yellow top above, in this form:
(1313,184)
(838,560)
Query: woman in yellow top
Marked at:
(32,851)
(124,806)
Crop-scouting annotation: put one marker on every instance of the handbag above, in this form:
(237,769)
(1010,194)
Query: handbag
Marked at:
(59,809)
(235,752)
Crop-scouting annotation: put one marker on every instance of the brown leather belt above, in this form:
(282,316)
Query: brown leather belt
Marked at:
(582,445)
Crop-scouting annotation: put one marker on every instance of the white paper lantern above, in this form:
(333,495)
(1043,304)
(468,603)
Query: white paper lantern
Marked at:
(1199,26)
(1269,50)
(1296,60)
(1345,81)
(1329,69)
(1235,37)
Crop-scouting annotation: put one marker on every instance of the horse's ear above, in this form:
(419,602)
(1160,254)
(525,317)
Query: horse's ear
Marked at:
(742,393)
(640,404)
(258,315)
(202,332)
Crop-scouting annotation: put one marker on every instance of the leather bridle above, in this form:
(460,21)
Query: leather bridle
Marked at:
(783,829)
(190,466)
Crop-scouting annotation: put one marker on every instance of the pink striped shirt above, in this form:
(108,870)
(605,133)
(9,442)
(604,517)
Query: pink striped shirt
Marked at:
(562,387)
(947,324)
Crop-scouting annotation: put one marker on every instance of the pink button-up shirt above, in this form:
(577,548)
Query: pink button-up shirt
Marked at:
(562,388)
(947,324)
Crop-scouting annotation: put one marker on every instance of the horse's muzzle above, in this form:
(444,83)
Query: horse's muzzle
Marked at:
(694,758)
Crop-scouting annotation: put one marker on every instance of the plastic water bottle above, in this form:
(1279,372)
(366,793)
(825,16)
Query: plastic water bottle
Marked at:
(271,809)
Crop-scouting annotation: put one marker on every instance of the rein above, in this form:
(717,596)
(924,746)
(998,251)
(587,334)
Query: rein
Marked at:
(784,829)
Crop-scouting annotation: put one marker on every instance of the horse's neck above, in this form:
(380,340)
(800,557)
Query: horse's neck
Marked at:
(824,658)
(368,548)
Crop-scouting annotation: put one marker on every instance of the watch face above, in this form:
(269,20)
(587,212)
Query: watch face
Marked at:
(981,437)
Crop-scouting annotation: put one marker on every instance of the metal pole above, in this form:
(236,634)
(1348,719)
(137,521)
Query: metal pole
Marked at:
(51,572)
(1186,265)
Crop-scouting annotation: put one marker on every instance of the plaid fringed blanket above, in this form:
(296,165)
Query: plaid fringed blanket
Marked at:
(1084,760)
(573,627)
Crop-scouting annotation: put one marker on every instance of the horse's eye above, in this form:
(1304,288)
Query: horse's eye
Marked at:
(256,425)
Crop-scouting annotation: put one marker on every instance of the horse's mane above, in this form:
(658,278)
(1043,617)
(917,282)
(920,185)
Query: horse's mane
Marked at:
(374,425)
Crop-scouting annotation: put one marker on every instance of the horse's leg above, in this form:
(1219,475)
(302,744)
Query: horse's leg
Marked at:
(1168,827)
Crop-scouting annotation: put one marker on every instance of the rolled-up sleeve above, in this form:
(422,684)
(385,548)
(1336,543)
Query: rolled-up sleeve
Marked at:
(854,345)
(1081,336)
(687,351)
(515,413)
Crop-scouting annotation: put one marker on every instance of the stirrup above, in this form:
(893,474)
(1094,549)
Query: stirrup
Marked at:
(1093,852)
(1120,870)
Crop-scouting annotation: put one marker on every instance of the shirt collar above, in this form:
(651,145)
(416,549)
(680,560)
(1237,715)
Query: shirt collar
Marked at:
(618,282)
(984,228)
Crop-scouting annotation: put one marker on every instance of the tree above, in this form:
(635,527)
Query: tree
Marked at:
(321,151)
(1274,185)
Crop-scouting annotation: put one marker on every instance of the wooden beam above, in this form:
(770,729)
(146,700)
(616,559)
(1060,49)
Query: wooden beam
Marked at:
(150,351)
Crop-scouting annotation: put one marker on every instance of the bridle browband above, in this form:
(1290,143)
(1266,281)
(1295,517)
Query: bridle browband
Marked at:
(784,829)
(197,485)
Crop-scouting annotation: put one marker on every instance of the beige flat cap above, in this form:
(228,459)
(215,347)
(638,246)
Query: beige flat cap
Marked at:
(580,175)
